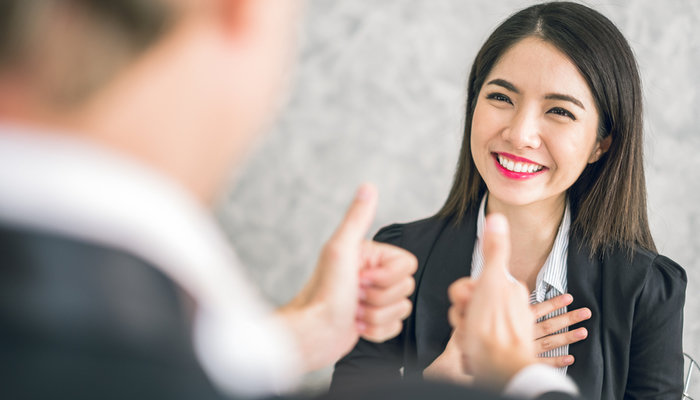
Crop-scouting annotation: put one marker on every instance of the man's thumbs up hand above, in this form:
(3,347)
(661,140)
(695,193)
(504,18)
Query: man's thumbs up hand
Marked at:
(496,322)
(359,288)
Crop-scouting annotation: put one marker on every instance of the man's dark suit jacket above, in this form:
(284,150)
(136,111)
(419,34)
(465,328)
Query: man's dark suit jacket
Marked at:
(82,321)
(634,345)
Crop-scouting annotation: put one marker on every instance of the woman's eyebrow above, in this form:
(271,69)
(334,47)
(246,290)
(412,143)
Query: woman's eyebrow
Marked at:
(565,97)
(504,83)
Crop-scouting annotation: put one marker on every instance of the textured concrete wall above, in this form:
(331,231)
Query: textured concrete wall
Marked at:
(378,95)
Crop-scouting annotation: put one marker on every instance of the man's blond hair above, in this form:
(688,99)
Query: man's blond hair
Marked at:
(75,46)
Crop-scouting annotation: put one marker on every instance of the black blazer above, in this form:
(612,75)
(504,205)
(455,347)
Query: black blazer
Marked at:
(82,321)
(634,344)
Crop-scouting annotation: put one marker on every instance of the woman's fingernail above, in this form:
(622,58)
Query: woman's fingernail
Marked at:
(585,313)
(581,333)
(568,360)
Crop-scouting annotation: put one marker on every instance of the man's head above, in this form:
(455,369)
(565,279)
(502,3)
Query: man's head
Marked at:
(56,32)
(181,85)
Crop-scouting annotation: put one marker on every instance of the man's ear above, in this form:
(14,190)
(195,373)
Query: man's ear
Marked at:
(601,148)
(242,18)
(236,16)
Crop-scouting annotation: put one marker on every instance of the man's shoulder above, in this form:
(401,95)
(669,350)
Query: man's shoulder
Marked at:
(71,288)
(26,247)
(73,311)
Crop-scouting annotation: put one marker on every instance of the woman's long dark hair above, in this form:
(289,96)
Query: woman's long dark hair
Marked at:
(609,198)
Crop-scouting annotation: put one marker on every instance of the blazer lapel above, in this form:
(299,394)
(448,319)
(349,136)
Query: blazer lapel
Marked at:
(449,260)
(584,282)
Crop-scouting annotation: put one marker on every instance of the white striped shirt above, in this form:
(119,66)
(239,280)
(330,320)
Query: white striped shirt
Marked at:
(552,278)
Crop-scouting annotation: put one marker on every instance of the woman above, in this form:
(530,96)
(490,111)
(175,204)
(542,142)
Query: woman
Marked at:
(553,140)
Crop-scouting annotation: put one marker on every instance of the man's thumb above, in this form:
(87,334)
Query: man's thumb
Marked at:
(359,216)
(496,246)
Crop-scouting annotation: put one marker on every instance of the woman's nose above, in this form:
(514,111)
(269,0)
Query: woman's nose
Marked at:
(523,130)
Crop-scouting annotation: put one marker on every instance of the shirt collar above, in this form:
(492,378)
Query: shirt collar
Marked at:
(553,273)
(71,187)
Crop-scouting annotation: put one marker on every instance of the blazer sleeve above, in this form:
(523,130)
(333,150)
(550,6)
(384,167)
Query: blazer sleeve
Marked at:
(370,361)
(656,350)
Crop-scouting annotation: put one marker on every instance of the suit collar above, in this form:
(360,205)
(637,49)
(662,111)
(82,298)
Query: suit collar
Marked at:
(584,276)
(449,260)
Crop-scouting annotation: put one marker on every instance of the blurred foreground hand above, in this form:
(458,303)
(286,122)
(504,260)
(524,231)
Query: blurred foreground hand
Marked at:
(359,288)
(492,318)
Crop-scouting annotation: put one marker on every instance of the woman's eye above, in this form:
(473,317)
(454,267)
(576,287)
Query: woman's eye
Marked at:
(499,97)
(563,112)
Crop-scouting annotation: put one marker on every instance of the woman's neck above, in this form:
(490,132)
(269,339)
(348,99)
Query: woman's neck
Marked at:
(533,228)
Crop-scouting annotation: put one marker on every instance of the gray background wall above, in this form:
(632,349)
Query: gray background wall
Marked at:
(378,95)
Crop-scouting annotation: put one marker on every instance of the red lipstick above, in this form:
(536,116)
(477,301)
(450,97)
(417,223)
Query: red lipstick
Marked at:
(512,174)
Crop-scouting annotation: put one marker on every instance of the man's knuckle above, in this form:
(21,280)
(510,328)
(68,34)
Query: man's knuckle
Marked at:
(373,316)
(370,334)
(333,250)
(412,263)
(407,309)
(374,297)
(409,285)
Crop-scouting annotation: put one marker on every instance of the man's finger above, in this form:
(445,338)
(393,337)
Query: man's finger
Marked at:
(383,296)
(378,316)
(380,333)
(456,314)
(390,271)
(459,292)
(377,254)
(359,216)
(496,248)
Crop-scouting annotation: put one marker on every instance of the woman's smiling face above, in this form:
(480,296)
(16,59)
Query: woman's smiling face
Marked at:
(534,126)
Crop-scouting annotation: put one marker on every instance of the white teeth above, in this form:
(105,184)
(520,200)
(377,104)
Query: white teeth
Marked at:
(518,166)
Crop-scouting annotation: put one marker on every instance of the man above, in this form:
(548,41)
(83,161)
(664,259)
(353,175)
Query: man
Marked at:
(119,122)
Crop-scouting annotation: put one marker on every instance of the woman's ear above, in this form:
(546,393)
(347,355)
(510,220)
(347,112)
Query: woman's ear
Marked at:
(601,148)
